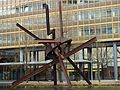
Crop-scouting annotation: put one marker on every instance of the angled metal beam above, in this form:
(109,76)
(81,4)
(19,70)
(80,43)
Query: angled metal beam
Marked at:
(80,47)
(48,41)
(79,71)
(36,37)
(27,31)
(76,68)
(55,74)
(61,43)
(61,23)
(39,70)
(64,69)
(45,6)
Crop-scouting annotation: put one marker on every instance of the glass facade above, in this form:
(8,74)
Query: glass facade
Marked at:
(87,18)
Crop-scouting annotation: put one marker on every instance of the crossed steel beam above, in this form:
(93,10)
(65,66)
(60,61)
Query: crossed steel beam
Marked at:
(58,50)
(57,57)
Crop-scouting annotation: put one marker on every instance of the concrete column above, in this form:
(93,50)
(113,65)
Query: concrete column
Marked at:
(20,71)
(115,61)
(81,55)
(32,57)
(36,55)
(89,52)
(80,64)
(21,55)
(98,66)
(81,68)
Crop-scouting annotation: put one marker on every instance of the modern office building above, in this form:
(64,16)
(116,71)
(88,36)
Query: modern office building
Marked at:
(82,20)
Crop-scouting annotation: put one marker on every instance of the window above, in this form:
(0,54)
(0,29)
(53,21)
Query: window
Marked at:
(39,6)
(81,33)
(30,8)
(96,0)
(4,11)
(91,1)
(12,10)
(103,13)
(86,31)
(0,39)
(109,30)
(75,16)
(108,13)
(0,11)
(104,30)
(26,8)
(86,15)
(4,39)
(17,10)
(92,31)
(92,15)
(69,1)
(81,0)
(8,10)
(8,38)
(97,14)
(21,9)
(34,6)
(74,1)
(116,28)
(85,1)
(115,12)
(1,26)
(81,16)
(98,31)
(64,1)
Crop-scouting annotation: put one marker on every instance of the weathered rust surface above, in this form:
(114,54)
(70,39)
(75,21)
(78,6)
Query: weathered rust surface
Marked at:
(64,69)
(45,6)
(79,71)
(56,50)
(60,58)
(27,31)
(55,74)
(80,47)
(37,71)
(48,41)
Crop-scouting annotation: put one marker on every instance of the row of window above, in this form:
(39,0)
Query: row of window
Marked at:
(26,7)
(92,14)
(77,15)
(36,6)
(20,9)
(91,31)
(4,2)
(73,16)
(84,1)
(73,33)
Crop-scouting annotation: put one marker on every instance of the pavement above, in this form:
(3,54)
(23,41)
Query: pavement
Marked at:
(50,83)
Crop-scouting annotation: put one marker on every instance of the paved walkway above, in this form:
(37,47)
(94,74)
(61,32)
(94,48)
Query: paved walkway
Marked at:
(74,83)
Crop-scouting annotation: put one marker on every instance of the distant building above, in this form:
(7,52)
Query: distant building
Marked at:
(82,20)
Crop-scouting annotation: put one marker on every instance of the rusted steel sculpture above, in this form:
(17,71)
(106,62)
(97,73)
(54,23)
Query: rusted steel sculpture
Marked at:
(57,50)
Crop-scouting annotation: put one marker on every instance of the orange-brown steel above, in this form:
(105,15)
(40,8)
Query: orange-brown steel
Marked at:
(56,50)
